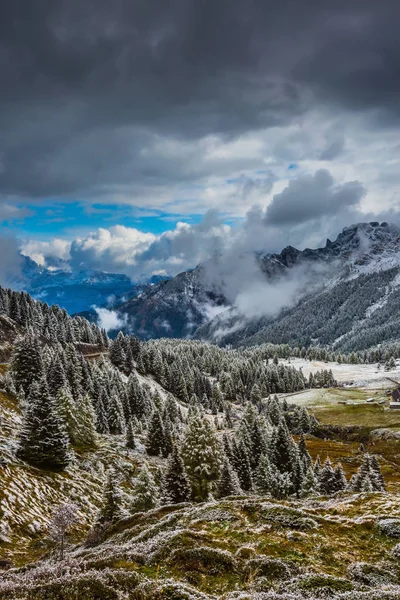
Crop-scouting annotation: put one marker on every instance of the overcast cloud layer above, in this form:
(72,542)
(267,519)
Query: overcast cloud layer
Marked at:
(284,115)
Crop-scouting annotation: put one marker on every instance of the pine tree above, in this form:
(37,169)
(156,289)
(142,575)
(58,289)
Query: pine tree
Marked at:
(111,511)
(115,416)
(263,476)
(146,492)
(201,455)
(309,484)
(43,440)
(340,478)
(155,438)
(117,352)
(176,487)
(283,448)
(130,436)
(87,422)
(68,413)
(26,363)
(304,454)
(327,479)
(228,484)
(242,466)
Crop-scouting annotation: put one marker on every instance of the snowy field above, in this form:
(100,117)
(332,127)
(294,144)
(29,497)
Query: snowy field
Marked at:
(366,376)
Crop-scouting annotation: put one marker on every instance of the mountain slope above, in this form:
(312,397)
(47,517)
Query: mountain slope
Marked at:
(173,308)
(334,294)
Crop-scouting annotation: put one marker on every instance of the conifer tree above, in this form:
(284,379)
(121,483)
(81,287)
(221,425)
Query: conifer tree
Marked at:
(263,476)
(26,363)
(242,466)
(283,448)
(327,479)
(201,455)
(304,454)
(111,510)
(130,436)
(68,413)
(87,422)
(155,438)
(340,478)
(175,484)
(115,416)
(146,492)
(43,440)
(56,378)
(101,410)
(309,484)
(228,484)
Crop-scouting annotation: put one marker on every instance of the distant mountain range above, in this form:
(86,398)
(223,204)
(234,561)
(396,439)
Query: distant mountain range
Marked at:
(345,295)
(76,291)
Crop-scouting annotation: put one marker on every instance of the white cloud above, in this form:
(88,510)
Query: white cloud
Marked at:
(109,319)
(40,251)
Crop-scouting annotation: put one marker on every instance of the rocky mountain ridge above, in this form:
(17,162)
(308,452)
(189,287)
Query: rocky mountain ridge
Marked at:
(195,304)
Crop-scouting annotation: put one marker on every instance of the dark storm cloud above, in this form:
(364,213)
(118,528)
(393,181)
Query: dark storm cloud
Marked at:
(310,197)
(85,86)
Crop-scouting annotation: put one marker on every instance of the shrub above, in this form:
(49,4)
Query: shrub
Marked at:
(166,590)
(284,516)
(371,575)
(245,552)
(272,568)
(213,560)
(396,551)
(84,587)
(389,527)
(320,585)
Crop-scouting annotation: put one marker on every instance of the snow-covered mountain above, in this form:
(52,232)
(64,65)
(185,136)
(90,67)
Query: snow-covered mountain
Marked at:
(76,291)
(344,294)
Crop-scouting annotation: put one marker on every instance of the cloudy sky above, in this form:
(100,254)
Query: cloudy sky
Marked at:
(141,136)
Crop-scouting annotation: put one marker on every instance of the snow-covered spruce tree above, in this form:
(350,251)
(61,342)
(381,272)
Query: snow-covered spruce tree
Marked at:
(111,510)
(145,492)
(367,470)
(175,483)
(130,436)
(115,415)
(56,378)
(304,454)
(280,483)
(327,479)
(228,484)
(101,406)
(258,443)
(87,422)
(340,477)
(263,476)
(117,351)
(317,467)
(43,440)
(155,438)
(26,363)
(242,466)
(309,485)
(68,413)
(201,453)
(282,448)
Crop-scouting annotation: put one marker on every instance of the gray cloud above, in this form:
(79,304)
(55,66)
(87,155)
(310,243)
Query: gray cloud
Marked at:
(88,88)
(10,261)
(312,196)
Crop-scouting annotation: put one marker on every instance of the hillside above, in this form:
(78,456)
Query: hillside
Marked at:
(189,471)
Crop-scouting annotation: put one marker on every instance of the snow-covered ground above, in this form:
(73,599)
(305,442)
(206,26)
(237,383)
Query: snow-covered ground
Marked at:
(367,376)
